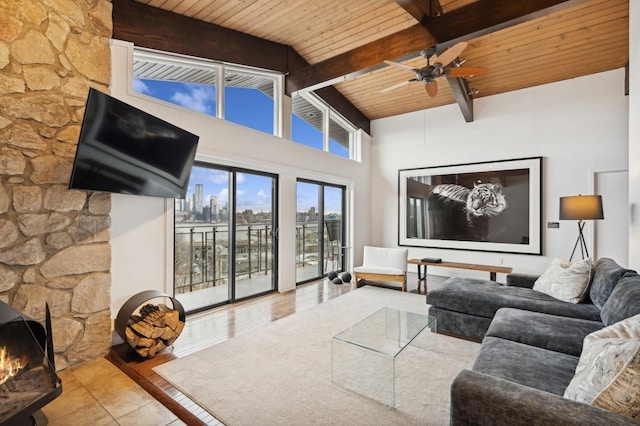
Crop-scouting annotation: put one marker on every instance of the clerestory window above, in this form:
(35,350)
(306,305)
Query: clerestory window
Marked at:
(243,95)
(249,97)
(316,124)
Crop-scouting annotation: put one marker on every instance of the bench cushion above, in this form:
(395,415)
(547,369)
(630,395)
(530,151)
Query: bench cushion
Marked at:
(378,270)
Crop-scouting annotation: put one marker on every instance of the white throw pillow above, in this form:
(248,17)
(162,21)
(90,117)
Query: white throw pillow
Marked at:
(565,280)
(608,373)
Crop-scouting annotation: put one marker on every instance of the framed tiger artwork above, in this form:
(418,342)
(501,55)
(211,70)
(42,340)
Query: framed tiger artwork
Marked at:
(487,206)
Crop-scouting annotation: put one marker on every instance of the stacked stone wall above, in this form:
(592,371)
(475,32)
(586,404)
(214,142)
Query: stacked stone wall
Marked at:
(54,242)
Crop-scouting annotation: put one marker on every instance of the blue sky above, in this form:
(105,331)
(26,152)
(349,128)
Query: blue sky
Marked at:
(250,108)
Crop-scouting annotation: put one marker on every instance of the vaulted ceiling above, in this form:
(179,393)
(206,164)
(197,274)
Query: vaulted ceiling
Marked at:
(338,47)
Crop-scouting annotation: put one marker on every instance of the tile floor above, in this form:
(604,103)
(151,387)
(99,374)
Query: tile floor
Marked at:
(97,393)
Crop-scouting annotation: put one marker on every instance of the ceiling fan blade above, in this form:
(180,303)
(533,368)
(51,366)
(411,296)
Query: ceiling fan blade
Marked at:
(402,66)
(465,71)
(432,88)
(396,86)
(446,57)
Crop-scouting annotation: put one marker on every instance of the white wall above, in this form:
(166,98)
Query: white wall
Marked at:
(142,226)
(634,134)
(578,126)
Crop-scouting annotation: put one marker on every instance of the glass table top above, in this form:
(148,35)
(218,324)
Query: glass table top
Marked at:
(387,331)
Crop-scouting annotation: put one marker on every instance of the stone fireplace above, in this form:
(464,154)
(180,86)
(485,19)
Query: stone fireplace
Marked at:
(54,243)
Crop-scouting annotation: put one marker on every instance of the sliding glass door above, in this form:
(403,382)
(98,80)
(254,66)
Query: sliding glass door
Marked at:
(224,239)
(319,230)
(254,227)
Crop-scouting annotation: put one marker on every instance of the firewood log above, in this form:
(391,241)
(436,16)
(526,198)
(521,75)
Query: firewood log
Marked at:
(132,337)
(153,330)
(146,343)
(172,318)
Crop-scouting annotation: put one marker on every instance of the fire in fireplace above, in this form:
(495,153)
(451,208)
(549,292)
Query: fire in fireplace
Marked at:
(28,380)
(9,367)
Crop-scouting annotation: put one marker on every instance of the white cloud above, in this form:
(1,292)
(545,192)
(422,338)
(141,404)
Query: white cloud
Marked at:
(223,196)
(197,98)
(140,86)
(217,177)
(261,197)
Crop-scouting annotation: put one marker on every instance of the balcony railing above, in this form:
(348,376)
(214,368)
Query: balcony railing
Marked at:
(202,252)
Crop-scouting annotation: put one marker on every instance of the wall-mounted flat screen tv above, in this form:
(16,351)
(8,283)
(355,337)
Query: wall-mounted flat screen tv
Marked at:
(125,150)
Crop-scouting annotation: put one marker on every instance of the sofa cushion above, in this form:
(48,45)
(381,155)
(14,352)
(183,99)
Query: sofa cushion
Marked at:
(483,298)
(608,373)
(460,324)
(624,301)
(628,328)
(605,277)
(565,280)
(556,333)
(538,368)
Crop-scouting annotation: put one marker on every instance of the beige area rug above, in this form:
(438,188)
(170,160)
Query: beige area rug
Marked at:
(280,374)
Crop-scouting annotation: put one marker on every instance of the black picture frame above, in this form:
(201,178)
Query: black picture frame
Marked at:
(486,206)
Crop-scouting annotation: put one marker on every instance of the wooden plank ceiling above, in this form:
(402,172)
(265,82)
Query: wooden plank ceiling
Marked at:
(568,41)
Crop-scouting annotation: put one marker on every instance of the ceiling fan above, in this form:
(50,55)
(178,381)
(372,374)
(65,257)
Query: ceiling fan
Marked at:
(437,66)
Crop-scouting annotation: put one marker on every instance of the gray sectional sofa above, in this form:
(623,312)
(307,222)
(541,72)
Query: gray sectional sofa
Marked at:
(465,307)
(531,345)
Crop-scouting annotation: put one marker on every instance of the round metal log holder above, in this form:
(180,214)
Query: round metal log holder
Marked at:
(131,305)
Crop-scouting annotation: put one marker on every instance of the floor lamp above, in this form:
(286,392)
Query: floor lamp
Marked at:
(581,208)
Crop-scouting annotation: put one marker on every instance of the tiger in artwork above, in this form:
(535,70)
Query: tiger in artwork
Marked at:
(481,202)
(484,199)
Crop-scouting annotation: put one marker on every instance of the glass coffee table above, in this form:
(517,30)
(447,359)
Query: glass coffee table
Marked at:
(363,357)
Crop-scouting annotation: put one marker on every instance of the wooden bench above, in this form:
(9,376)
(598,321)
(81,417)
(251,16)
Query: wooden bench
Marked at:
(493,270)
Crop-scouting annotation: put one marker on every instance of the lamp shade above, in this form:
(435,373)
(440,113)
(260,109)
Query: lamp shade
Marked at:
(581,207)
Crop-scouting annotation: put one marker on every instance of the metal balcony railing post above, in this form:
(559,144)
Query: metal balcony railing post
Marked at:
(259,250)
(304,243)
(191,260)
(267,249)
(249,248)
(214,259)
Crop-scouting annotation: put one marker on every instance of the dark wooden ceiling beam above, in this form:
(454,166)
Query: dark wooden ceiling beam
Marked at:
(421,10)
(400,46)
(465,23)
(154,28)
(461,91)
(488,16)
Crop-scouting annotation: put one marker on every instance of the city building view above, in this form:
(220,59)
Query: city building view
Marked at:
(211,251)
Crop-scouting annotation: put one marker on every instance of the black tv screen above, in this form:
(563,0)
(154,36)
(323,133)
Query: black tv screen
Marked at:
(125,150)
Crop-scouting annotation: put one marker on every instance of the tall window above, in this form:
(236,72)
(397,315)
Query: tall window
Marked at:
(319,230)
(224,237)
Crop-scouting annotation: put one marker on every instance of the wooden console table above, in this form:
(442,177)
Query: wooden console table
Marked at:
(472,266)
